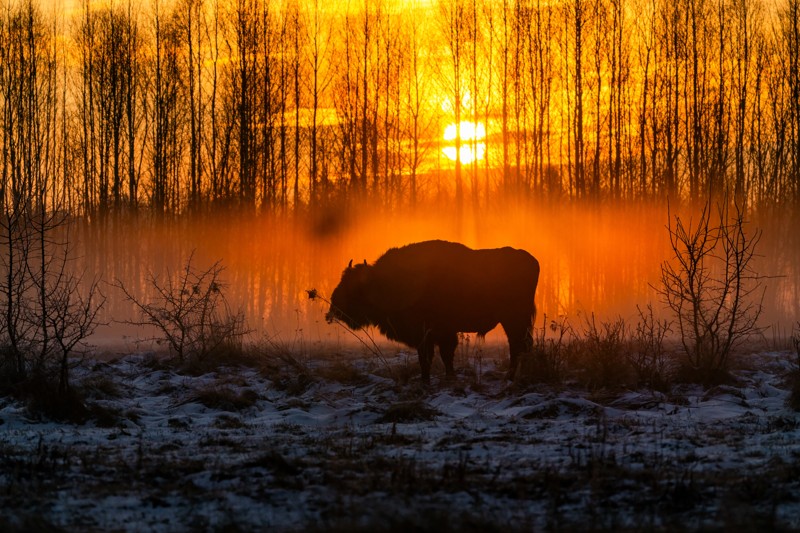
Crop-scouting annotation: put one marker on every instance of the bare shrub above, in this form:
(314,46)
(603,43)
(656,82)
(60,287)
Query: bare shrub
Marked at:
(287,370)
(711,288)
(601,357)
(647,354)
(191,313)
(47,310)
(225,398)
(547,360)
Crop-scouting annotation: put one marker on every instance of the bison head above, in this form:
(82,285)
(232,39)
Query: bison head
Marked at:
(349,301)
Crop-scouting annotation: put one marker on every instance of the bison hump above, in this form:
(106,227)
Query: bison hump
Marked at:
(423,274)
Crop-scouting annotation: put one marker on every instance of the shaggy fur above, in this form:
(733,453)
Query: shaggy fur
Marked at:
(424,294)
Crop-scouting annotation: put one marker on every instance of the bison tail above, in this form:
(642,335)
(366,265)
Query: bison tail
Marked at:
(529,336)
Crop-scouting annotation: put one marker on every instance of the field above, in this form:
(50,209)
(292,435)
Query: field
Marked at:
(351,441)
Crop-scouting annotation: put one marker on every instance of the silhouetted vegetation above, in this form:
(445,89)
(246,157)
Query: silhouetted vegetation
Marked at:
(190,313)
(711,288)
(648,353)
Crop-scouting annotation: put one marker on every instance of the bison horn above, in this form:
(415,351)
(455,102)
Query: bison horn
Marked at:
(350,265)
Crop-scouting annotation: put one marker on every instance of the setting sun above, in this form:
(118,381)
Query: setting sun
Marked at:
(470,150)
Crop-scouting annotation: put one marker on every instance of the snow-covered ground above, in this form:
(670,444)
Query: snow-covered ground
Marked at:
(349,442)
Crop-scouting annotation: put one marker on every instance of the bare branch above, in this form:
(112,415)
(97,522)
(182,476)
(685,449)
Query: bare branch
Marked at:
(711,287)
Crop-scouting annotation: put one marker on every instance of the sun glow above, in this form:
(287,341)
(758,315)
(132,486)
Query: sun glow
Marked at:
(472,137)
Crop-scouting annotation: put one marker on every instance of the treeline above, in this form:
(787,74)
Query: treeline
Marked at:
(265,106)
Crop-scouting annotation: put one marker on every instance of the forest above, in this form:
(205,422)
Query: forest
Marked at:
(110,109)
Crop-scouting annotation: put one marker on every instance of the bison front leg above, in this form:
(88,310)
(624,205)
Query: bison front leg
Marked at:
(520,341)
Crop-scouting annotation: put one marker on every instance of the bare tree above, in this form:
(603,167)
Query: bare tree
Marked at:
(711,288)
(358,98)
(192,29)
(202,103)
(617,104)
(541,78)
(26,79)
(454,29)
(416,116)
(578,13)
(44,315)
(318,55)
(166,152)
(790,46)
(246,24)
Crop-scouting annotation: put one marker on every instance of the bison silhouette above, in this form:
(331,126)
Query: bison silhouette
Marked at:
(424,294)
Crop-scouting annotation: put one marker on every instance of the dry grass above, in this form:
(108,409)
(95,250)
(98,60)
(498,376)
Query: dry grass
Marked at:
(410,411)
(99,386)
(342,372)
(600,357)
(224,398)
(599,354)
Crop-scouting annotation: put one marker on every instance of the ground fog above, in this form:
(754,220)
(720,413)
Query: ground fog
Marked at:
(601,260)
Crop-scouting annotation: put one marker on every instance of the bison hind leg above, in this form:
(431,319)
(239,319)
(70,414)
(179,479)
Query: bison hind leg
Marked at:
(425,351)
(520,340)
(447,349)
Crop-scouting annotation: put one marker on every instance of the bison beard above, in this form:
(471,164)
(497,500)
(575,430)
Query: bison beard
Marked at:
(424,294)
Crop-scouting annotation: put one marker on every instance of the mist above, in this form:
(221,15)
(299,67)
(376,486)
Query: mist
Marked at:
(600,260)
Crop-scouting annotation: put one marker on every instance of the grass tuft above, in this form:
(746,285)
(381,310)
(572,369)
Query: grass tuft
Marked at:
(344,373)
(602,358)
(410,411)
(225,398)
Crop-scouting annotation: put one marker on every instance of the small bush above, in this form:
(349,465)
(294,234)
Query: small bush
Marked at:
(287,371)
(100,386)
(48,309)
(225,398)
(42,398)
(601,357)
(648,355)
(237,356)
(547,361)
(191,314)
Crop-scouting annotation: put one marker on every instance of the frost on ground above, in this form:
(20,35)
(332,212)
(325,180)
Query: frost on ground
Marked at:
(354,443)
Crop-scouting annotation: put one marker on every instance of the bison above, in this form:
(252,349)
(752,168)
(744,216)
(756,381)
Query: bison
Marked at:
(424,294)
